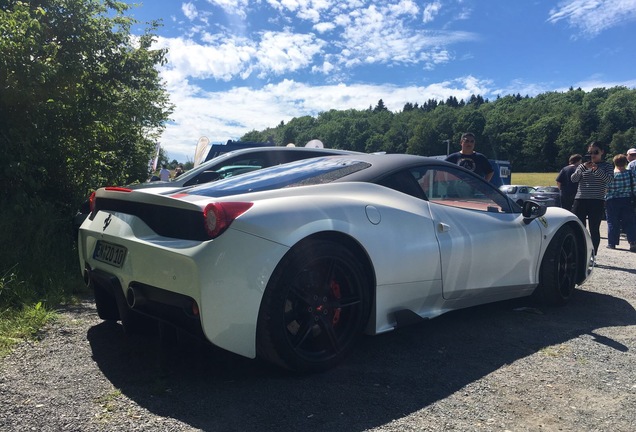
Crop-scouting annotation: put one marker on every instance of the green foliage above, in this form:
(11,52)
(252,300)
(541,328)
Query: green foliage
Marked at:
(81,103)
(534,134)
(81,106)
(39,260)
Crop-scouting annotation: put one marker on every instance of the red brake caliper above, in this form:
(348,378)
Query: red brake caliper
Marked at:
(335,290)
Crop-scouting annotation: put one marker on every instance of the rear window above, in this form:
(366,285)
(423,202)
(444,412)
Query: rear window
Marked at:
(300,173)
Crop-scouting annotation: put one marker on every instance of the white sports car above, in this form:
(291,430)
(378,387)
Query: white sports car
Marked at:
(291,263)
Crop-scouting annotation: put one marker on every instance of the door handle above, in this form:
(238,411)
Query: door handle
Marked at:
(442,227)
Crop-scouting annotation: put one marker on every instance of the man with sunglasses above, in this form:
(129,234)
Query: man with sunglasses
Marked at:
(468,158)
(593,177)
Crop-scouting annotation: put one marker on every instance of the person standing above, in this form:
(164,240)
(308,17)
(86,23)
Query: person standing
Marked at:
(567,187)
(631,159)
(468,158)
(593,177)
(620,213)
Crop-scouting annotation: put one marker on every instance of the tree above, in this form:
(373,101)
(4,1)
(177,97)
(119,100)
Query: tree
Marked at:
(380,106)
(81,102)
(81,106)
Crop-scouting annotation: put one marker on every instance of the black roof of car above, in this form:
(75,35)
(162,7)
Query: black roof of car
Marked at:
(343,168)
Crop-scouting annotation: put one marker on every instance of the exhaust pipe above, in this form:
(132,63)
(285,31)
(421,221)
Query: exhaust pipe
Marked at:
(134,298)
(87,277)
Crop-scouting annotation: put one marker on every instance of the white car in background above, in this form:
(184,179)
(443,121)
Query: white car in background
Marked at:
(518,193)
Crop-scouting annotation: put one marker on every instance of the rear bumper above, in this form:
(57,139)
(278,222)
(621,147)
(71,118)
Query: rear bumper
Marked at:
(211,287)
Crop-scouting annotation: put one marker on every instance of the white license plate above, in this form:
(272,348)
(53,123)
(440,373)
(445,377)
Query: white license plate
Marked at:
(109,253)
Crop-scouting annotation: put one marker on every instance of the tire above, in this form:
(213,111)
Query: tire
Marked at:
(106,305)
(132,322)
(557,278)
(314,307)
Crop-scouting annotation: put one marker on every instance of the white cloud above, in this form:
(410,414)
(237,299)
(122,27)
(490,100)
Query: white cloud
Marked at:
(234,7)
(324,27)
(281,52)
(310,10)
(594,16)
(430,11)
(223,61)
(189,10)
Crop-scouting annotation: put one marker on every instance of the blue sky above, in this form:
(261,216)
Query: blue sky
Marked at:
(238,65)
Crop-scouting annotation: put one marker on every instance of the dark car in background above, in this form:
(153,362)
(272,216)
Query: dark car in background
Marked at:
(550,196)
(227,164)
(249,159)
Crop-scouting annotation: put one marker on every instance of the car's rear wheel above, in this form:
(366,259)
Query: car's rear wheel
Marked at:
(106,305)
(131,321)
(315,305)
(559,269)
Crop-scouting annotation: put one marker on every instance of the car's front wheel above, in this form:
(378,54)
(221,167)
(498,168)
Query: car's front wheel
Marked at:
(559,269)
(315,305)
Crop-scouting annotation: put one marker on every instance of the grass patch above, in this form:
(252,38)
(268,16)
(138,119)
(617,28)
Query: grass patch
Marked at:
(534,179)
(23,324)
(556,351)
(38,271)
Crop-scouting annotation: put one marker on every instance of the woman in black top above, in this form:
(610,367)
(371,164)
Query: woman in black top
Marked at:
(593,176)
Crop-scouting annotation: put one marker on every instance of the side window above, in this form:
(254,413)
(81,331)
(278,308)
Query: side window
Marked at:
(452,187)
(252,159)
(404,182)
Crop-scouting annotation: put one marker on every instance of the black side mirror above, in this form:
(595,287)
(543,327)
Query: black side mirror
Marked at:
(532,210)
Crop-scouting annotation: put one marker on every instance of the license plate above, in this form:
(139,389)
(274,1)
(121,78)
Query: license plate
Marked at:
(109,253)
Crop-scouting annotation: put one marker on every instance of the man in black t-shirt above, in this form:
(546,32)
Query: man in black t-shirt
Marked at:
(566,186)
(468,158)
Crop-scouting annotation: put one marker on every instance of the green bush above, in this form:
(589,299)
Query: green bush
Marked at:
(38,263)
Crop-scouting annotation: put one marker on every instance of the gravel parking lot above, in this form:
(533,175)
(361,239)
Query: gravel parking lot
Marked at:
(502,367)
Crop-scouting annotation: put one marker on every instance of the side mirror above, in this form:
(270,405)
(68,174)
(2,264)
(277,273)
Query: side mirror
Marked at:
(532,210)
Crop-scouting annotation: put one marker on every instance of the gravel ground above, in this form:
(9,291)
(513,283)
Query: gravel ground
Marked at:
(501,367)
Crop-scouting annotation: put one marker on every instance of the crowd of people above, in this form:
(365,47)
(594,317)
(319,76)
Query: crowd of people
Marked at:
(592,188)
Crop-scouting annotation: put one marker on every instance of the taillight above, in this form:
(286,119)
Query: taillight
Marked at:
(91,202)
(117,189)
(218,216)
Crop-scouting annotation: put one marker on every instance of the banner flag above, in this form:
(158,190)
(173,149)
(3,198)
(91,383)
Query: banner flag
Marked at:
(201,150)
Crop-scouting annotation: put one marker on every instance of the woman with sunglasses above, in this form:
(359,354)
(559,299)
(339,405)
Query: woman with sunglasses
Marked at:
(593,177)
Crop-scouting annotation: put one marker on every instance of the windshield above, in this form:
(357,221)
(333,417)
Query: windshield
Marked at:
(300,173)
(185,177)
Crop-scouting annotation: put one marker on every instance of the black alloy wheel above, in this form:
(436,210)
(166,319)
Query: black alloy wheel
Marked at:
(314,307)
(559,269)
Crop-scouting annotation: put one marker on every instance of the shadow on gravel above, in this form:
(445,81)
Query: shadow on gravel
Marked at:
(387,377)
